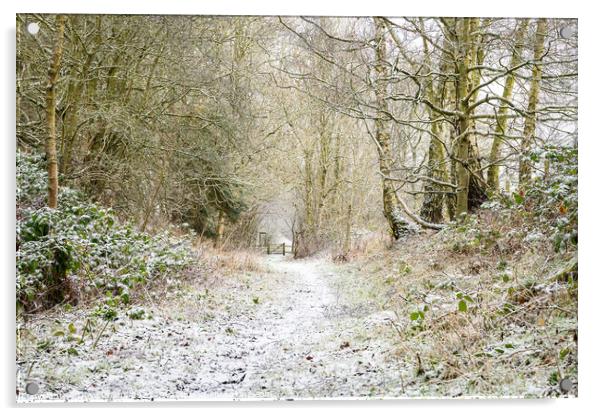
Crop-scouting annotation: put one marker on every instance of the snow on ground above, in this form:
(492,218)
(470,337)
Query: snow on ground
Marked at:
(298,331)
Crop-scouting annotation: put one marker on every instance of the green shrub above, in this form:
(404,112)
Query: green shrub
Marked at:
(81,246)
(545,212)
(553,199)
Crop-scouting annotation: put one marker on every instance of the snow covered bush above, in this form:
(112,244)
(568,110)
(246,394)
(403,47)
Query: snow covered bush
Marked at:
(552,198)
(542,213)
(81,248)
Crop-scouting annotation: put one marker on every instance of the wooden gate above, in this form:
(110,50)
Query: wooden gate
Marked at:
(276,248)
(263,243)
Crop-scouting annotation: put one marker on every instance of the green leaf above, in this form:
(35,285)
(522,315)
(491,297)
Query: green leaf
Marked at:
(462,307)
(518,198)
(563,353)
(59,333)
(125,297)
(72,328)
(554,378)
(414,316)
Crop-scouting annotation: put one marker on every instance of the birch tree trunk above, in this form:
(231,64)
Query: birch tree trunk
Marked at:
(392,208)
(493,173)
(524,170)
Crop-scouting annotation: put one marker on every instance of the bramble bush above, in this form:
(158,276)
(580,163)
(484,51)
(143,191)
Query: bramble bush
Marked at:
(81,248)
(553,199)
(543,212)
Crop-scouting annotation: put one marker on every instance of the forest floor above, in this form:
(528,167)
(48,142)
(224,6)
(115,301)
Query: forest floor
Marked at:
(422,319)
(300,329)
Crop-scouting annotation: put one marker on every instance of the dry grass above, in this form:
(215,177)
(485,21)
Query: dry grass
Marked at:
(517,336)
(365,246)
(223,260)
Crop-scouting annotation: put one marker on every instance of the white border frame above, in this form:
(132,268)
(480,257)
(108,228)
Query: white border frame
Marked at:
(590,151)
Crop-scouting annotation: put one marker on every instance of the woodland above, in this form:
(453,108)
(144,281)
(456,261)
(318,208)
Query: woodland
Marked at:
(295,207)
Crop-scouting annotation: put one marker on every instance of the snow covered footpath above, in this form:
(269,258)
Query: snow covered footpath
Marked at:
(301,330)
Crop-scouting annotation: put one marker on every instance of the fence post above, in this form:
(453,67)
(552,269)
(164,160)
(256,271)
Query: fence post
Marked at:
(268,248)
(283,249)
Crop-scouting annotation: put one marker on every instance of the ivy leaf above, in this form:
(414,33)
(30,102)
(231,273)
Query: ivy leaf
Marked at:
(414,316)
(518,198)
(462,307)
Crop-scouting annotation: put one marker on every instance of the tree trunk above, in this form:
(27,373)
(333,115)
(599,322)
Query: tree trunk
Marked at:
(477,193)
(53,75)
(493,173)
(463,124)
(324,158)
(432,205)
(70,127)
(392,208)
(524,170)
(347,238)
(308,188)
(221,225)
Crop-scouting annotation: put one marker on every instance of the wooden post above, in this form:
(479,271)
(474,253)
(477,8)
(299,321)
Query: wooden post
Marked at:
(283,249)
(262,238)
(268,248)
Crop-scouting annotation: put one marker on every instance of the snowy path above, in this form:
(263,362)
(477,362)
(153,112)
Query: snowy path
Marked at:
(300,331)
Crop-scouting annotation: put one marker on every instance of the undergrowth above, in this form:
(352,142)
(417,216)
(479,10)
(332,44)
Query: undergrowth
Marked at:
(81,250)
(488,306)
